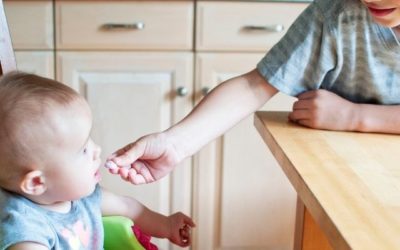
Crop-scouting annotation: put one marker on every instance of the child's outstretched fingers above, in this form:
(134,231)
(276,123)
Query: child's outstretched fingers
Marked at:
(128,154)
(124,157)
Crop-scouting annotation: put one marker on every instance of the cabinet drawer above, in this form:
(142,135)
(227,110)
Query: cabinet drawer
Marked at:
(30,24)
(124,25)
(251,26)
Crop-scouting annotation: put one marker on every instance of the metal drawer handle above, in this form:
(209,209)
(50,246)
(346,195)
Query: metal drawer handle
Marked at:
(268,28)
(125,26)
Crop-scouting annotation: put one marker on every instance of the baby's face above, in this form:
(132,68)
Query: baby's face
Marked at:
(72,158)
(384,12)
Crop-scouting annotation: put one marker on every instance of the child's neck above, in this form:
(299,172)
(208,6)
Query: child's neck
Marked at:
(59,207)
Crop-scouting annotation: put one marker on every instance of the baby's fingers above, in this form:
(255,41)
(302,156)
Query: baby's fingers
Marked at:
(188,221)
(185,234)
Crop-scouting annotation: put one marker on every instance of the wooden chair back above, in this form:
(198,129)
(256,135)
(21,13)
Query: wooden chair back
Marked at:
(7,58)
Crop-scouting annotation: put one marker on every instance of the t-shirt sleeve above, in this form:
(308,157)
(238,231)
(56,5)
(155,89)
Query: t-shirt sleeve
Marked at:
(24,225)
(301,60)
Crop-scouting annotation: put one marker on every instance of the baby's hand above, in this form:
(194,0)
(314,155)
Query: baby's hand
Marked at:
(185,234)
(180,229)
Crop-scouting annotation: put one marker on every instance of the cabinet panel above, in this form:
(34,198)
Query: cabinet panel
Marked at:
(132,94)
(37,62)
(242,199)
(131,25)
(247,26)
(31,24)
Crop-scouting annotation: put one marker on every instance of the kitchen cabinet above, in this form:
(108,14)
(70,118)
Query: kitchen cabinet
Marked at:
(242,199)
(131,75)
(131,60)
(124,25)
(142,65)
(132,94)
(31,27)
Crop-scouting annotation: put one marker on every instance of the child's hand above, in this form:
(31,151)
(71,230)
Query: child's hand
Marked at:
(322,109)
(146,160)
(180,229)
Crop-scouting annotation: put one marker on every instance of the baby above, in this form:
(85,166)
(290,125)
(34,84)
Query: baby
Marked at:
(49,173)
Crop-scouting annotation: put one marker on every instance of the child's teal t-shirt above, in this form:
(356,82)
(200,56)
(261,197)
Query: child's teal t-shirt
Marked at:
(337,46)
(80,228)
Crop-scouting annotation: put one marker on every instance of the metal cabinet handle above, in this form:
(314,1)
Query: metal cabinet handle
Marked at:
(125,26)
(267,28)
(205,91)
(182,91)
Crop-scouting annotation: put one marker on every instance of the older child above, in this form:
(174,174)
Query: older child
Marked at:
(341,58)
(49,173)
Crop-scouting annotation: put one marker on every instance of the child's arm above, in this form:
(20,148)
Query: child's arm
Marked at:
(322,109)
(175,227)
(154,156)
(27,246)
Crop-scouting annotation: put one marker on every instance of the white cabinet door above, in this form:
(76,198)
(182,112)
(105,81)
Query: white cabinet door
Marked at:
(242,199)
(36,62)
(133,94)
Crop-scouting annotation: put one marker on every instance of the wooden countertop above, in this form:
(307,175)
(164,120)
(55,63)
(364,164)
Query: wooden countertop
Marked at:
(350,182)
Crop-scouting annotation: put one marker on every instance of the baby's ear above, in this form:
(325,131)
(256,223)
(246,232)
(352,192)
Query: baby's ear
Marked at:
(33,183)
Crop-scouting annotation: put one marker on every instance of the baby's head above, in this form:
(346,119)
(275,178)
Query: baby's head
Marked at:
(46,153)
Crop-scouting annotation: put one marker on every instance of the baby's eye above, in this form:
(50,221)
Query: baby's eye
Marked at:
(85,150)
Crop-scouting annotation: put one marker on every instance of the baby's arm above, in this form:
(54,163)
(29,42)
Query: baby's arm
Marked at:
(322,109)
(175,227)
(27,246)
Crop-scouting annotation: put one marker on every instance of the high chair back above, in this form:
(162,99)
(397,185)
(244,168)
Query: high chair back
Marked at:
(7,58)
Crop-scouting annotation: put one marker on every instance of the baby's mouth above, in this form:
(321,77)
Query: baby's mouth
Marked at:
(97,176)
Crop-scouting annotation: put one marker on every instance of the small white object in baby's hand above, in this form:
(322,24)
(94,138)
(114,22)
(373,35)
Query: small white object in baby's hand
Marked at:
(111,165)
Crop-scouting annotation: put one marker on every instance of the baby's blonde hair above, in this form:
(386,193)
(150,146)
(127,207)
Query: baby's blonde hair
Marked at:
(25,100)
